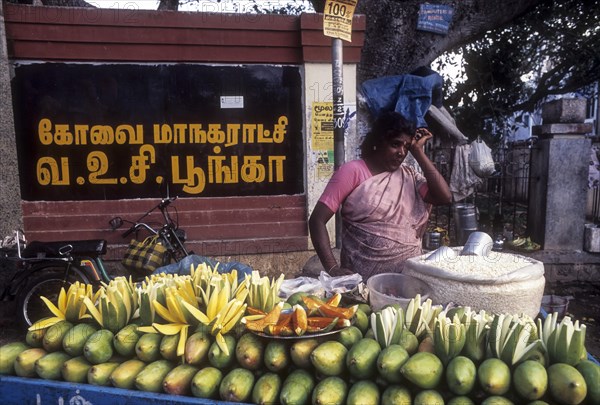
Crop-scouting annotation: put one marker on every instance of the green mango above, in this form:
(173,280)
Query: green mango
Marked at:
(249,351)
(363,392)
(349,336)
(206,382)
(463,400)
(168,347)
(99,374)
(530,380)
(75,370)
(497,400)
(423,369)
(330,391)
(361,359)
(53,338)
(150,379)
(123,376)
(98,348)
(218,358)
(266,390)
(25,361)
(147,347)
(300,352)
(76,337)
(389,362)
(461,375)
(277,356)
(125,340)
(237,385)
(8,354)
(428,397)
(591,374)
(494,376)
(396,395)
(329,358)
(566,384)
(35,337)
(178,381)
(297,387)
(196,348)
(49,366)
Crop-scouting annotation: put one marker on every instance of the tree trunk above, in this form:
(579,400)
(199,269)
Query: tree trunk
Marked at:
(67,3)
(394,46)
(172,5)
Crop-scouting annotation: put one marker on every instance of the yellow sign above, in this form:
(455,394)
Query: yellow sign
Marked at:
(322,126)
(337,21)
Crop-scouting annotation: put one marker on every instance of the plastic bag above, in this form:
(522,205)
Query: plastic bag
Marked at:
(324,286)
(480,159)
(340,284)
(301,284)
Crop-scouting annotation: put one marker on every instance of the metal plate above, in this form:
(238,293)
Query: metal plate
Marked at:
(305,336)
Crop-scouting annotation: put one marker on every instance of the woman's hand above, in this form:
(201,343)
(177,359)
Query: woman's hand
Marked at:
(338,271)
(420,139)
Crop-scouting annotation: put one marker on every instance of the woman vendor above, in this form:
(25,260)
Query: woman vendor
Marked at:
(385,205)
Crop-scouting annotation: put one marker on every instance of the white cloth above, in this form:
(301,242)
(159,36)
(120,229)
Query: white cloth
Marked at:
(594,173)
(463,180)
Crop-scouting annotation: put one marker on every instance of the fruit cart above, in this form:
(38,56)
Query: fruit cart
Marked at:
(211,338)
(18,390)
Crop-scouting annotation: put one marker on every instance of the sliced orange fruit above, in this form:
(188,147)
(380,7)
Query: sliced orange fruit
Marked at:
(312,305)
(271,318)
(299,320)
(334,300)
(285,319)
(341,312)
(279,330)
(255,311)
(323,322)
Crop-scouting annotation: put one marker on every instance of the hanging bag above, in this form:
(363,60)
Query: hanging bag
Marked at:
(480,159)
(144,256)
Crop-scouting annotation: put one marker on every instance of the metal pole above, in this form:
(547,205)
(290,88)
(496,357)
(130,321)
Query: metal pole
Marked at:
(338,120)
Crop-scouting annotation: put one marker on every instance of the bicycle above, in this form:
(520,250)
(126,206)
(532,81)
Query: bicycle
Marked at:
(43,268)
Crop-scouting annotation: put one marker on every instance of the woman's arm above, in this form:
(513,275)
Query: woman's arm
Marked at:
(438,191)
(317,225)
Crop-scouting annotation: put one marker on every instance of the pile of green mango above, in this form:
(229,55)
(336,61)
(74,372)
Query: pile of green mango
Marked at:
(349,367)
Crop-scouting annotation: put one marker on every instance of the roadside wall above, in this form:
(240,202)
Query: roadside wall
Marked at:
(10,202)
(253,224)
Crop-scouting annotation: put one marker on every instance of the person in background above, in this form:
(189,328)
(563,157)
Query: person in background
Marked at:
(385,205)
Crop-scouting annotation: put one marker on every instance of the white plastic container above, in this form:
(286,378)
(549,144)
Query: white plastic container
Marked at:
(394,288)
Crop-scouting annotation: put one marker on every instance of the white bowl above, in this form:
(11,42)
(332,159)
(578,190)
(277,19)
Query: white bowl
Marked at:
(394,288)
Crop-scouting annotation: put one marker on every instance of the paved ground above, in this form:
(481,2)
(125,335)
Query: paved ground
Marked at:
(585,307)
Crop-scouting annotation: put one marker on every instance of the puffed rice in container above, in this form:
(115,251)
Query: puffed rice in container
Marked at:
(498,283)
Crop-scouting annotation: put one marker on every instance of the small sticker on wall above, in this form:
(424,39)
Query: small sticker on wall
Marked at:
(232,101)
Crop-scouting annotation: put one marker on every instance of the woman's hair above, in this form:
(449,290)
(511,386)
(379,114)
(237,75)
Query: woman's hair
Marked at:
(387,125)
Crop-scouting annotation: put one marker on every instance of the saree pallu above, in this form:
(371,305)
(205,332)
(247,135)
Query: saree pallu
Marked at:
(384,219)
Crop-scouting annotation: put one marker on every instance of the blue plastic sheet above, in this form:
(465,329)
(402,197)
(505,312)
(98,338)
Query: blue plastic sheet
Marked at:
(411,95)
(183,266)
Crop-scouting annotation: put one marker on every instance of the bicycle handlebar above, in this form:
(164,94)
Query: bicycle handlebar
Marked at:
(162,205)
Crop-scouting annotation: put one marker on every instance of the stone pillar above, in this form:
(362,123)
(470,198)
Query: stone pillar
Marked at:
(558,176)
(10,192)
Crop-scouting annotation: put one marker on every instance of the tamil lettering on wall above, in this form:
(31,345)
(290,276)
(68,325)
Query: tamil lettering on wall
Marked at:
(113,131)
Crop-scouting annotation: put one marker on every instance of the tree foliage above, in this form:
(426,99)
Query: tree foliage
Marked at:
(550,51)
(516,53)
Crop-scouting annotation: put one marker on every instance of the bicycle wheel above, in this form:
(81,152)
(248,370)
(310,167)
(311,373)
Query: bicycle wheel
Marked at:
(46,283)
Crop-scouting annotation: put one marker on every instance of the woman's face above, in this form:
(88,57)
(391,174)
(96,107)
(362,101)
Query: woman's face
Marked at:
(394,151)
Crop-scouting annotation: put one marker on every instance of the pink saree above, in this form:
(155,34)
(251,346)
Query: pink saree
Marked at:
(384,219)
